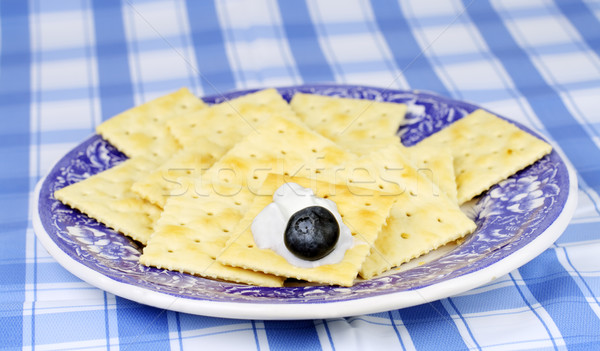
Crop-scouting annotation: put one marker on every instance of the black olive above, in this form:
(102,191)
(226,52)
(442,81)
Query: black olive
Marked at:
(311,233)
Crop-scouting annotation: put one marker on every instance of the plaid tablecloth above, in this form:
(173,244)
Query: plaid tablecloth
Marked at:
(65,66)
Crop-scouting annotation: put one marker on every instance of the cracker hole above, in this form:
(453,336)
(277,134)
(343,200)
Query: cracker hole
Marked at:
(254,177)
(225,230)
(317,171)
(250,246)
(380,186)
(219,132)
(405,235)
(209,213)
(197,241)
(252,155)
(408,214)
(412,193)
(193,125)
(170,251)
(184,107)
(439,220)
(367,204)
(283,152)
(286,174)
(238,203)
(280,131)
(314,150)
(325,196)
(509,152)
(254,119)
(324,120)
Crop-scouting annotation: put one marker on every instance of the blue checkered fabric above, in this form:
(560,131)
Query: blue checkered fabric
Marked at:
(65,66)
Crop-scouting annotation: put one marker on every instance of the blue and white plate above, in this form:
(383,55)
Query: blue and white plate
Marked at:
(516,220)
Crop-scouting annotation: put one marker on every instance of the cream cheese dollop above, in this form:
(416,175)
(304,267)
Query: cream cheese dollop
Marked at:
(268,227)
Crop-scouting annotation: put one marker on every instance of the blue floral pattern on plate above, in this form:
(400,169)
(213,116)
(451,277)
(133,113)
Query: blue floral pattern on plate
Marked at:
(509,216)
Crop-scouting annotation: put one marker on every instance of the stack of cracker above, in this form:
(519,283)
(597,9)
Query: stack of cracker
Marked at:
(198,175)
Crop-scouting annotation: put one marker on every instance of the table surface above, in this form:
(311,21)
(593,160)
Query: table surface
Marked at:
(67,66)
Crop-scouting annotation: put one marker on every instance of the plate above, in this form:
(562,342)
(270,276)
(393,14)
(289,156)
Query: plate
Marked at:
(516,220)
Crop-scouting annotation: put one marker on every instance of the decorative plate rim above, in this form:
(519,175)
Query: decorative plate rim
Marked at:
(319,309)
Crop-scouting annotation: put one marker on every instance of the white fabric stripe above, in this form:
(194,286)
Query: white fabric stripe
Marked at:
(354,333)
(523,33)
(322,326)
(576,269)
(462,327)
(188,52)
(427,44)
(539,309)
(174,335)
(169,63)
(241,60)
(253,56)
(342,49)
(325,41)
(261,333)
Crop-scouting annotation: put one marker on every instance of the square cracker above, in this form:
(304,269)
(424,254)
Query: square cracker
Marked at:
(281,145)
(349,122)
(206,135)
(200,219)
(422,218)
(159,184)
(107,197)
(141,130)
(364,215)
(194,228)
(224,124)
(486,150)
(437,165)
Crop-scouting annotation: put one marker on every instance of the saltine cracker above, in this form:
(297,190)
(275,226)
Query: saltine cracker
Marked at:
(207,135)
(141,130)
(198,222)
(193,229)
(107,197)
(422,218)
(486,150)
(363,215)
(349,122)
